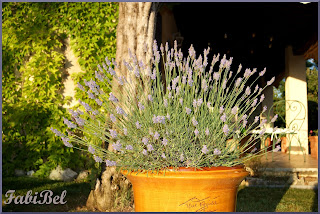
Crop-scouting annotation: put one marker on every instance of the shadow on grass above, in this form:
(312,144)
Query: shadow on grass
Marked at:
(76,197)
(315,201)
(256,199)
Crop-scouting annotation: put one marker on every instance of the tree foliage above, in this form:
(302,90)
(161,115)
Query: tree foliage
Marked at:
(32,77)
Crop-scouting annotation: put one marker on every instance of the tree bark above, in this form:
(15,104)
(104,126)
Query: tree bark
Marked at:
(136,28)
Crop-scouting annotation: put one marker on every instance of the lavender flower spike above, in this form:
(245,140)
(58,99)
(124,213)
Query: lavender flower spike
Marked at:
(164,141)
(196,132)
(138,125)
(69,123)
(97,159)
(207,131)
(113,98)
(145,140)
(66,141)
(117,146)
(194,121)
(274,118)
(188,110)
(221,110)
(223,118)
(91,149)
(110,163)
(271,81)
(113,118)
(216,152)
(150,147)
(156,135)
(81,87)
(204,149)
(113,133)
(225,129)
(56,132)
(129,147)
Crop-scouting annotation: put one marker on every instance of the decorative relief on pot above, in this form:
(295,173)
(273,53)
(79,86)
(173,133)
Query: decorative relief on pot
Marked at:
(201,205)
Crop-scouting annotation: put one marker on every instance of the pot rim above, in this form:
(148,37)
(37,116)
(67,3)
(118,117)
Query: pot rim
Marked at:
(239,167)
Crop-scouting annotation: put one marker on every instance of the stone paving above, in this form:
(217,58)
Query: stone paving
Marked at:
(282,172)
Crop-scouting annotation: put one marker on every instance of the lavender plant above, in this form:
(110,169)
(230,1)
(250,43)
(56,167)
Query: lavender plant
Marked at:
(189,115)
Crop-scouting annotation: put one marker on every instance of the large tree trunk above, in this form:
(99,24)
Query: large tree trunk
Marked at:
(136,27)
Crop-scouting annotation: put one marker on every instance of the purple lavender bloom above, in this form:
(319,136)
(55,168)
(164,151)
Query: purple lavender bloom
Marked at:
(248,91)
(238,81)
(138,125)
(247,73)
(216,152)
(221,109)
(239,68)
(125,131)
(194,121)
(57,133)
(192,52)
(262,72)
(164,141)
(262,97)
(117,146)
(145,140)
(113,98)
(108,62)
(196,132)
(113,118)
(90,95)
(79,121)
(223,118)
(184,80)
(119,110)
(85,105)
(209,104)
(190,81)
(274,118)
(225,129)
(136,72)
(254,102)
(234,110)
(262,131)
(264,109)
(188,110)
(155,119)
(150,147)
(150,98)
(113,133)
(91,149)
(145,152)
(156,135)
(177,90)
(73,113)
(99,102)
(154,74)
(216,76)
(121,80)
(207,131)
(181,101)
(271,81)
(244,123)
(204,149)
(112,72)
(256,88)
(129,147)
(141,107)
(168,116)
(264,121)
(66,142)
(163,156)
(165,103)
(81,87)
(170,95)
(169,88)
(79,112)
(181,158)
(97,159)
(69,123)
(98,76)
(194,103)
(224,84)
(256,118)
(199,102)
(110,163)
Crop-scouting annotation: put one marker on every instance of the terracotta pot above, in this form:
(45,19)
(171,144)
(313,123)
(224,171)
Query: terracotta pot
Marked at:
(268,144)
(187,190)
(284,145)
(314,146)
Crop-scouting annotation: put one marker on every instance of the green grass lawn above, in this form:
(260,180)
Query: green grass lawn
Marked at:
(249,199)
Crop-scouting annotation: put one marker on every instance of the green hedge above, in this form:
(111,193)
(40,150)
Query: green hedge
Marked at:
(33,61)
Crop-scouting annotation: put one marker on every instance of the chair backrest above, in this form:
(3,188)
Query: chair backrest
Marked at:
(294,109)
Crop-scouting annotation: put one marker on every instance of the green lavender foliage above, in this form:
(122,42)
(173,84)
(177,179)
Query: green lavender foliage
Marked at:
(194,119)
(33,60)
